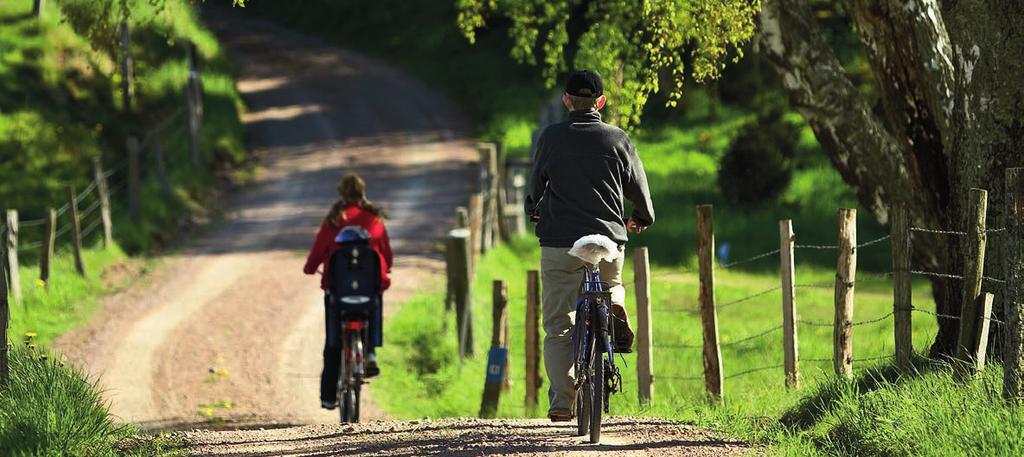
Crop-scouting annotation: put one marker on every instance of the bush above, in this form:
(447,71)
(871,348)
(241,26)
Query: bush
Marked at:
(50,409)
(759,164)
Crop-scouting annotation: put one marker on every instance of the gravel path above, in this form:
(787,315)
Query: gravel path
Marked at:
(467,437)
(230,329)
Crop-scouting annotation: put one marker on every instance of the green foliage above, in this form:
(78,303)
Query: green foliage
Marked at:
(631,45)
(59,93)
(759,164)
(51,409)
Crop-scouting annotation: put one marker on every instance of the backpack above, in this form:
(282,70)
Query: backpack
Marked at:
(354,282)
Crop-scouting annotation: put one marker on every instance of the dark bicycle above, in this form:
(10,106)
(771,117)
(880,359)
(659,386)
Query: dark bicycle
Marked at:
(597,377)
(351,379)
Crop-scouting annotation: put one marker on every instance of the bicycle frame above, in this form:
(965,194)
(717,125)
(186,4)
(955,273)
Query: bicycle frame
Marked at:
(593,304)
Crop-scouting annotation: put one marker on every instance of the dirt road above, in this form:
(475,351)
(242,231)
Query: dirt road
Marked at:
(468,437)
(230,328)
(227,333)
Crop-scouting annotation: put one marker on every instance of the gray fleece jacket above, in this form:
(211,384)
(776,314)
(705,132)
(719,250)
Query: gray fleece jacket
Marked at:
(582,170)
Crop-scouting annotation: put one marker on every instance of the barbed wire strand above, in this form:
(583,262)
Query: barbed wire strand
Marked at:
(940,232)
(679,378)
(85,193)
(750,297)
(851,324)
(815,246)
(949,316)
(868,359)
(85,213)
(31,223)
(726,266)
(30,246)
(874,241)
(91,227)
(753,337)
(937,275)
(753,370)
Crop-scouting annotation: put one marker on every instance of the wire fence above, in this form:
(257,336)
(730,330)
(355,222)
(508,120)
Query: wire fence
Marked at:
(886,317)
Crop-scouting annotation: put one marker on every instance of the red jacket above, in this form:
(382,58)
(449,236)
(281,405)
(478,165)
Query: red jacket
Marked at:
(324,245)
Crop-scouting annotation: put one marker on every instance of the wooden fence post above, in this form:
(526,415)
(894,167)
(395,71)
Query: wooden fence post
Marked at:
(458,247)
(902,300)
(12,255)
(37,8)
(791,355)
(461,217)
(974,269)
(489,171)
(134,179)
(644,356)
(126,68)
(5,314)
(497,358)
(76,230)
(104,195)
(1013,298)
(49,240)
(846,275)
(532,353)
(708,314)
(476,226)
(978,350)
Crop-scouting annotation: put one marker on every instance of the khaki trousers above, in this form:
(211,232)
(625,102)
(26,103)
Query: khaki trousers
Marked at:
(561,277)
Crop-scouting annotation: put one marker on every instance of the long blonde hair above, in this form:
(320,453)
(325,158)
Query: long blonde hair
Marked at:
(351,190)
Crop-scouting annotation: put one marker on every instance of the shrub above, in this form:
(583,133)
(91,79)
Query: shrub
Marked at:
(48,408)
(759,164)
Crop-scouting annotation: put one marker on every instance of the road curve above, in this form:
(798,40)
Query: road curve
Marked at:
(229,329)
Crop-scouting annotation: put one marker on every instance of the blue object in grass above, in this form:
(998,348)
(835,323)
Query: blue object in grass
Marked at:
(723,252)
(496,359)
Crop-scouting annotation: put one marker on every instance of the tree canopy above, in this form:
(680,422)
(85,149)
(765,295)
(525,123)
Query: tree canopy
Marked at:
(638,47)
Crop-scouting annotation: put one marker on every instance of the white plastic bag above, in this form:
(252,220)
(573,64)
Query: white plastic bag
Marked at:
(593,248)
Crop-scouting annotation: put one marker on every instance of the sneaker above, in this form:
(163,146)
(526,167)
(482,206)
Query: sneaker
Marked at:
(328,404)
(623,342)
(371,367)
(560,416)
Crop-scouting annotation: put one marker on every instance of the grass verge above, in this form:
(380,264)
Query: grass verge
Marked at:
(48,408)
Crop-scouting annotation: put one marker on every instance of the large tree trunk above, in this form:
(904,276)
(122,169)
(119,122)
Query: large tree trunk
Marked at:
(928,74)
(910,54)
(988,112)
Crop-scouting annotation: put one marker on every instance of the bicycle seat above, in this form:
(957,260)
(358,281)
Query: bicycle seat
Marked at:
(594,248)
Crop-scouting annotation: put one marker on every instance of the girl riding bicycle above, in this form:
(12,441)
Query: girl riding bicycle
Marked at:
(351,208)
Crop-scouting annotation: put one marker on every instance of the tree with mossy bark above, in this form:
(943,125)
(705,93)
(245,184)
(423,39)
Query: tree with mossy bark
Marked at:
(950,74)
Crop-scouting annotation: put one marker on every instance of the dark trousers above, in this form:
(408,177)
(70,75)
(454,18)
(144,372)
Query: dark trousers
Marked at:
(373,334)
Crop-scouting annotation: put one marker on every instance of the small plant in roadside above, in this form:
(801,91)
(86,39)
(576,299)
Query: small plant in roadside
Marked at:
(47,408)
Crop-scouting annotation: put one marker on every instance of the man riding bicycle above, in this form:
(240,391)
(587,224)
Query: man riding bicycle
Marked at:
(582,169)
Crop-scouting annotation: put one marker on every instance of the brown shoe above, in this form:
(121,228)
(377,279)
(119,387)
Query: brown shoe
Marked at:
(623,342)
(560,416)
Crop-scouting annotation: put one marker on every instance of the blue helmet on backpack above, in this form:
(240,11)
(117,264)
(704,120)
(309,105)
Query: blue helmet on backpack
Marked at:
(351,233)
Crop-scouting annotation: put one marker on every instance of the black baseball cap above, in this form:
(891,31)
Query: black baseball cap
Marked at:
(584,83)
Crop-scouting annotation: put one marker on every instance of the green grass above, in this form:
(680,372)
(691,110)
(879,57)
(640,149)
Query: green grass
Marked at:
(67,300)
(59,86)
(48,408)
(879,413)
